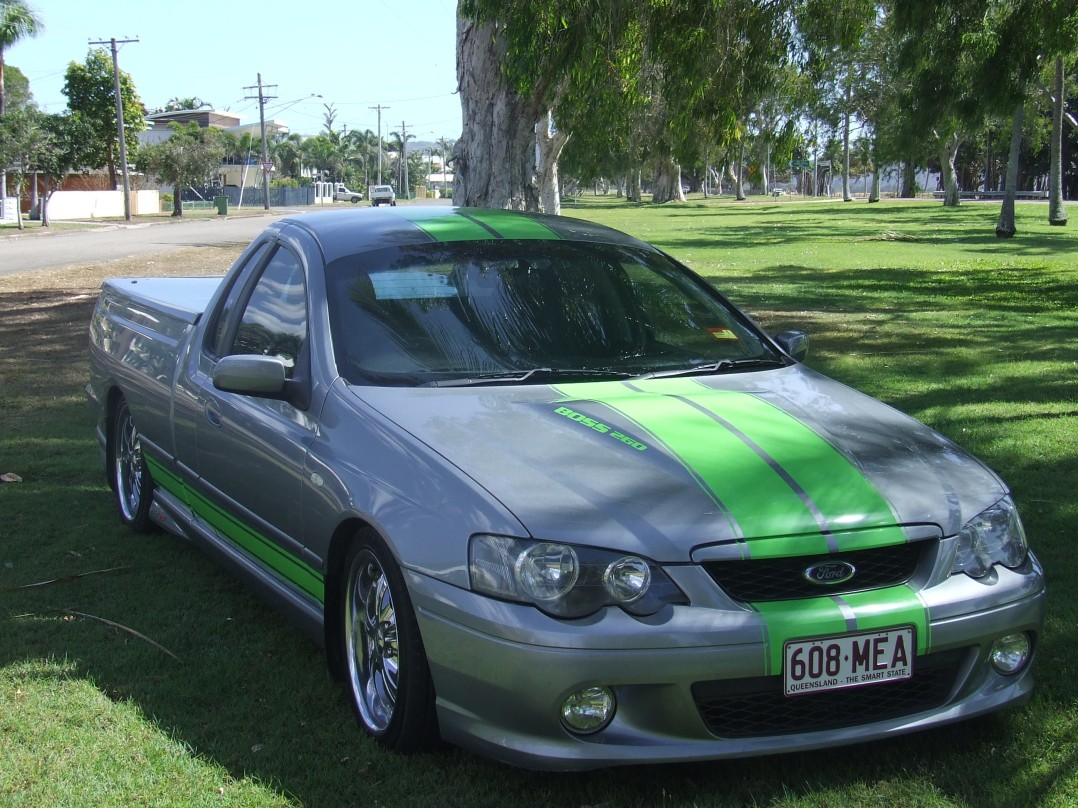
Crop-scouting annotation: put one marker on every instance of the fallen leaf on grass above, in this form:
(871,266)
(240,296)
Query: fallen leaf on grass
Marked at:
(69,578)
(122,627)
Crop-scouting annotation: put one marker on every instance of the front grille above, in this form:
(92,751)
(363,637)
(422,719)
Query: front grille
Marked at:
(757,707)
(768,579)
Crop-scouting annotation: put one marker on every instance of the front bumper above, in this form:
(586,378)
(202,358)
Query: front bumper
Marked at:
(502,671)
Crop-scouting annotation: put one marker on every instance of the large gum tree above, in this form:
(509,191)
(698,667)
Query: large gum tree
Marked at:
(534,75)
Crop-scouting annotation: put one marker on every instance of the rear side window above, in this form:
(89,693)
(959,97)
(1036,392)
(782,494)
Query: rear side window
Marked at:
(217,346)
(274,320)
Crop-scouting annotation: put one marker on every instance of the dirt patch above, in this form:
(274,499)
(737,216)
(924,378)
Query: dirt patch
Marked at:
(45,315)
(87,278)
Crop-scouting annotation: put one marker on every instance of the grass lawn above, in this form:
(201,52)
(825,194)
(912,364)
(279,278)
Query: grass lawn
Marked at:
(194,693)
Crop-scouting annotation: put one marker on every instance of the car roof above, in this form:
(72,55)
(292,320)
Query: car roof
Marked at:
(346,232)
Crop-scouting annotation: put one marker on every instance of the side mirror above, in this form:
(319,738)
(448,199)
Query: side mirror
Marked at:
(251,375)
(795,343)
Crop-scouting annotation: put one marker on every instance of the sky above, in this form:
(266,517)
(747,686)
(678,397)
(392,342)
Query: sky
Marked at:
(355,54)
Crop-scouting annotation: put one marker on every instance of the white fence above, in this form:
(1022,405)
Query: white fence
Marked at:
(101,204)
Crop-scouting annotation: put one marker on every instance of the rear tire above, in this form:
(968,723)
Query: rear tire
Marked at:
(130,478)
(386,670)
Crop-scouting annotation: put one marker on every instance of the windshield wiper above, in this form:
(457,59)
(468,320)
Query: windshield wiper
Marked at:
(721,366)
(523,376)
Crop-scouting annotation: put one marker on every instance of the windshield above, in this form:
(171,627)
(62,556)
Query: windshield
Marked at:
(526,311)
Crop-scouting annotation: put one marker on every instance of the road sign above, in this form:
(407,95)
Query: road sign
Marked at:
(800,165)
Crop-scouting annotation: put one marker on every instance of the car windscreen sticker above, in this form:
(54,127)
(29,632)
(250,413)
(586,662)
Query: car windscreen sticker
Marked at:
(411,285)
(789,491)
(723,334)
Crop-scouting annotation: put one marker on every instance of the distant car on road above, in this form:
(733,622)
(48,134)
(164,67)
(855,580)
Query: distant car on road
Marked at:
(342,194)
(383,194)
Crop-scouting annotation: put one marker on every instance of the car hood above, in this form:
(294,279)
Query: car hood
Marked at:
(772,462)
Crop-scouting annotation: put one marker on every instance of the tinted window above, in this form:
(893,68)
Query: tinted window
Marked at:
(416,314)
(217,346)
(274,321)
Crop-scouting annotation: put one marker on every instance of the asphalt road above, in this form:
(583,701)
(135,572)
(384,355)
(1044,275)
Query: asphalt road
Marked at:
(109,242)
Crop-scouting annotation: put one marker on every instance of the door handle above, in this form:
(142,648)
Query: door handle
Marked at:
(213,413)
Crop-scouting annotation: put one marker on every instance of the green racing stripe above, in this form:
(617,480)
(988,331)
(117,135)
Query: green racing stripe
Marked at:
(268,553)
(812,618)
(787,490)
(477,225)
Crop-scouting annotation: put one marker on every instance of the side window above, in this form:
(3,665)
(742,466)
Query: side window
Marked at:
(274,320)
(238,284)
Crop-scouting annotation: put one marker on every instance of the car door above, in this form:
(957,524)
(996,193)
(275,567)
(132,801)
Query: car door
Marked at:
(251,450)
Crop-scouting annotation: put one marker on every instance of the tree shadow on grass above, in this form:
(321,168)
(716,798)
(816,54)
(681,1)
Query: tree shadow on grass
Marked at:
(251,694)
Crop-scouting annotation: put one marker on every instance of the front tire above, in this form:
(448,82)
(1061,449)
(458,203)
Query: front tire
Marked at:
(130,478)
(387,675)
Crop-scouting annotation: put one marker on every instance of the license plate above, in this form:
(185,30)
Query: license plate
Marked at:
(851,660)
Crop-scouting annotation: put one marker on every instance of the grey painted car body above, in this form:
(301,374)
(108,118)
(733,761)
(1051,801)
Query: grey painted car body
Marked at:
(429,468)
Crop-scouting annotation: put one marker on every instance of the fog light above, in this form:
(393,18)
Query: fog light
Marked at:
(588,710)
(1011,653)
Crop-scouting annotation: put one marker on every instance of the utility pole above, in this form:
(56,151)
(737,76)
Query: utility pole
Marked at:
(404,158)
(262,99)
(120,118)
(379,107)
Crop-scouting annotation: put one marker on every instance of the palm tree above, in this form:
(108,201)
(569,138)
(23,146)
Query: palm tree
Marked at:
(400,144)
(363,148)
(446,146)
(17,21)
(177,104)
(287,152)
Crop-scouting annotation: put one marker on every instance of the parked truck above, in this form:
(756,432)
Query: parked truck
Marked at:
(342,194)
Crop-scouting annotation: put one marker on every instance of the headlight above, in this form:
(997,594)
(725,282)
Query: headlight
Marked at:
(566,580)
(995,536)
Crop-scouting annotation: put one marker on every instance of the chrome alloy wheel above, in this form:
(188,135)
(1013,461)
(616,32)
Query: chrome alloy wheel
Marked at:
(373,650)
(129,465)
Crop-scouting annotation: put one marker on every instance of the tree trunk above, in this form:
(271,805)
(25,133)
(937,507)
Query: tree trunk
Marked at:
(112,169)
(1005,227)
(846,197)
(177,203)
(550,143)
(948,151)
(741,173)
(1057,213)
(909,180)
(874,194)
(495,155)
(667,182)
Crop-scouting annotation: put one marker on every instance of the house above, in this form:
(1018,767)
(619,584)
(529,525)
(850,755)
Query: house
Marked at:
(243,171)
